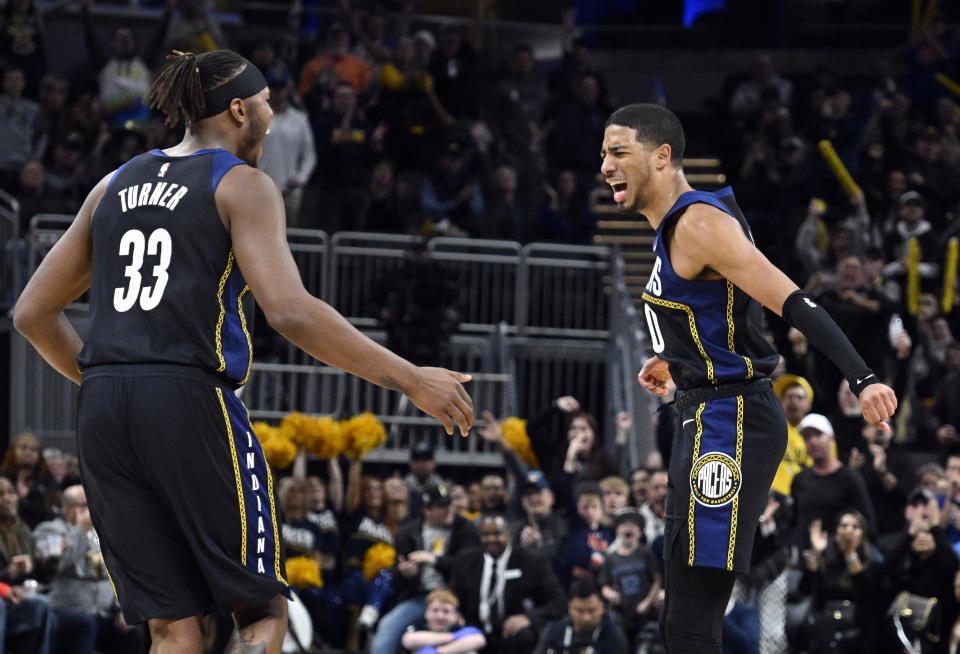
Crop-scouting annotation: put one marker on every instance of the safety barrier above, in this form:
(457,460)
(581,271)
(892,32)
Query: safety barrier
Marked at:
(14,250)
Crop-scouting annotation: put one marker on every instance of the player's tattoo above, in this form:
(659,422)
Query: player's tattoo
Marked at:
(242,642)
(388,382)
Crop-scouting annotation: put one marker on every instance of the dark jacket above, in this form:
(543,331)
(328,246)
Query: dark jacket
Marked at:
(535,582)
(409,538)
(609,640)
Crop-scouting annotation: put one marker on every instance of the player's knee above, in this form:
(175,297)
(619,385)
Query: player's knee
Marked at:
(186,630)
(273,609)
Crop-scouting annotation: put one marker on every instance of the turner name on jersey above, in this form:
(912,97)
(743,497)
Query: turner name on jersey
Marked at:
(163,194)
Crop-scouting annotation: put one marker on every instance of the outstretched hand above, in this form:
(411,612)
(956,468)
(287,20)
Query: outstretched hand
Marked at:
(878,403)
(440,393)
(655,375)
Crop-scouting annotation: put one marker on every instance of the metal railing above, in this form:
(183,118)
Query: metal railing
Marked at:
(14,250)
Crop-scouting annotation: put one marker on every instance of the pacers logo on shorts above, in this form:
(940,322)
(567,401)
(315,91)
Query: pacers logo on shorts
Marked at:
(715,479)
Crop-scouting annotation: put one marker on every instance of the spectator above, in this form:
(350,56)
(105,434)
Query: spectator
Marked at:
(332,64)
(36,197)
(845,582)
(54,91)
(588,539)
(374,45)
(493,494)
(124,76)
(563,215)
(540,530)
(29,622)
(440,631)
(509,591)
(587,626)
(22,36)
(639,486)
(745,102)
(654,510)
(379,209)
(68,177)
(582,449)
(423,473)
(193,28)
(741,628)
(507,217)
(576,129)
(887,472)
(24,466)
(945,412)
(822,491)
(452,197)
(920,560)
(615,494)
(324,519)
(301,537)
(796,396)
(455,70)
(912,223)
(289,156)
(21,126)
(81,595)
(346,144)
(397,497)
(424,547)
(630,576)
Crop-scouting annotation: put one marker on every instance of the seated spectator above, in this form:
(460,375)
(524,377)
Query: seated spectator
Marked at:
(741,628)
(24,466)
(540,530)
(461,502)
(507,217)
(654,510)
(510,592)
(68,177)
(639,486)
(29,621)
(424,546)
(35,196)
(844,580)
(615,494)
(452,197)
(745,102)
(588,539)
(630,577)
(919,560)
(441,630)
(587,627)
(493,494)
(332,64)
(380,209)
(81,596)
(422,475)
(323,515)
(829,487)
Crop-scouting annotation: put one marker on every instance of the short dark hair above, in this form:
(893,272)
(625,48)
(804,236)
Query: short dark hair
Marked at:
(655,125)
(584,587)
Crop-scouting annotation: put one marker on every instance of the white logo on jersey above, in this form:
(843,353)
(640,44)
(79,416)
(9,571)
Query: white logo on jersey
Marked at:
(654,286)
(810,303)
(163,169)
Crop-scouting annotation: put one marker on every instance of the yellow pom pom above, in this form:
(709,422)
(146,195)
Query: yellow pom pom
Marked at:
(514,432)
(295,426)
(378,557)
(279,451)
(323,438)
(264,431)
(304,572)
(363,433)
(392,78)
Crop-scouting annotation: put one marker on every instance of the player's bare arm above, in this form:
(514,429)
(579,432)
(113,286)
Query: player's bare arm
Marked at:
(708,240)
(252,208)
(62,277)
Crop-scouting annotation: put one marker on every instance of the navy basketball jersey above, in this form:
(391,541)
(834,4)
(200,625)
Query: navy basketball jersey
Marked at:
(165,286)
(707,330)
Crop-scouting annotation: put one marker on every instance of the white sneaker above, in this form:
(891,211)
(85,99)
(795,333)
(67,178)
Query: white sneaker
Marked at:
(368,617)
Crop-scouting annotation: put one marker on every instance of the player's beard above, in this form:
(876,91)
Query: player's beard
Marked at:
(252,143)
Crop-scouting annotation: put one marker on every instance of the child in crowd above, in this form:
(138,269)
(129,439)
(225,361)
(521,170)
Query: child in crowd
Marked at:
(588,538)
(441,630)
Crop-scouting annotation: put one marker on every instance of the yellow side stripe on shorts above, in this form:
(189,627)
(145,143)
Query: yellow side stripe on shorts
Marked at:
(273,520)
(236,473)
(693,505)
(109,578)
(735,507)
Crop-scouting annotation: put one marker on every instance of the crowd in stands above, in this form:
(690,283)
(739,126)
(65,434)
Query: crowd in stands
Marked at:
(381,129)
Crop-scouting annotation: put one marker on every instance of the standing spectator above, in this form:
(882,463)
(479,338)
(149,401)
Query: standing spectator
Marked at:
(422,475)
(124,77)
(630,576)
(21,127)
(29,622)
(822,491)
(346,145)
(22,36)
(454,67)
(912,223)
(193,28)
(796,397)
(333,63)
(440,630)
(887,472)
(576,129)
(586,628)
(845,582)
(424,547)
(582,447)
(24,466)
(289,156)
(509,591)
(745,102)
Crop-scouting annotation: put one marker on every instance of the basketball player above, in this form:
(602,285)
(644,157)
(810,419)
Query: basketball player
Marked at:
(702,311)
(172,246)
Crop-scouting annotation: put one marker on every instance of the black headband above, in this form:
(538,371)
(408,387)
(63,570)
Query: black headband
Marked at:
(248,83)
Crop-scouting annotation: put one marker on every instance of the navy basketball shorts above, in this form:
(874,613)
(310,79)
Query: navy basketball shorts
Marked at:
(725,454)
(179,492)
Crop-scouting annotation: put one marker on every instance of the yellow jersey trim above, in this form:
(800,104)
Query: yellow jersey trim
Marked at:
(693,329)
(691,514)
(223,313)
(735,508)
(236,474)
(730,344)
(246,332)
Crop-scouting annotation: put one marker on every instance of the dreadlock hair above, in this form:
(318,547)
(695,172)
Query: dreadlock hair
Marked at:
(655,126)
(180,86)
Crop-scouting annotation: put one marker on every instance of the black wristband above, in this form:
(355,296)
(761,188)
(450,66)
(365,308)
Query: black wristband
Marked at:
(824,334)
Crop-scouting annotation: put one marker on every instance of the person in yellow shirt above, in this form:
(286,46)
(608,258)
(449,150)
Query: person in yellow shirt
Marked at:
(796,396)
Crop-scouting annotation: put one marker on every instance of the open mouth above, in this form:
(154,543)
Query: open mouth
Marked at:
(619,190)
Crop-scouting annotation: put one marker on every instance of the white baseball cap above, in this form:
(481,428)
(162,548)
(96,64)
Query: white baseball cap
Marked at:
(815,421)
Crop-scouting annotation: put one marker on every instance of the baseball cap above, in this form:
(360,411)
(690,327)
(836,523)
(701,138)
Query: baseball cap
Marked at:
(815,421)
(534,479)
(921,496)
(427,37)
(435,496)
(912,196)
(421,452)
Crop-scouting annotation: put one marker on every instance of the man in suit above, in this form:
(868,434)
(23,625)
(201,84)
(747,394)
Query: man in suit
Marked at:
(422,545)
(506,589)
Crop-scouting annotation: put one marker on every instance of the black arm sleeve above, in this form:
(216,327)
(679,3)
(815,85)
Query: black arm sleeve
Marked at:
(824,334)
